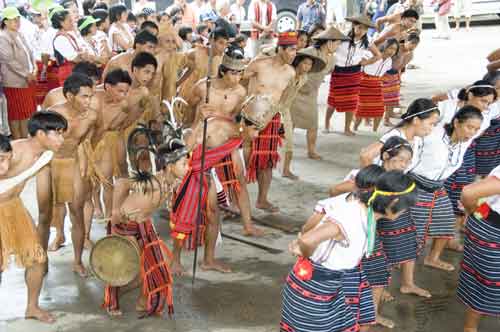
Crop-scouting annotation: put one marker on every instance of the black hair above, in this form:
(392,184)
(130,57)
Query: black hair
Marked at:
(100,14)
(46,121)
(414,111)
(413,38)
(201,27)
(149,24)
(67,3)
(247,122)
(88,6)
(5,145)
(141,15)
(480,91)
(85,31)
(367,177)
(317,43)
(219,33)
(463,114)
(57,19)
(184,31)
(86,68)
(22,11)
(116,11)
(388,43)
(75,82)
(117,76)
(143,59)
(393,146)
(410,13)
(241,37)
(299,58)
(364,39)
(144,37)
(164,150)
(492,77)
(392,181)
(101,5)
(131,17)
(313,30)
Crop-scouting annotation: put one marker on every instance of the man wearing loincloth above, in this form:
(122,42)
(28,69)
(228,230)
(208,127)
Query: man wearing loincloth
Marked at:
(224,137)
(226,98)
(269,75)
(69,174)
(19,161)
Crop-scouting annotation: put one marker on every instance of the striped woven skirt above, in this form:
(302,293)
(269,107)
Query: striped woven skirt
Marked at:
(344,89)
(316,305)
(463,176)
(488,149)
(479,283)
(391,86)
(376,266)
(371,98)
(20,102)
(399,238)
(358,295)
(433,213)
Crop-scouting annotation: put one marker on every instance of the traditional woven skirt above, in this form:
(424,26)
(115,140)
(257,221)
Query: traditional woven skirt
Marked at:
(376,266)
(399,238)
(391,88)
(63,71)
(316,305)
(371,98)
(344,89)
(227,177)
(44,85)
(433,213)
(264,154)
(358,295)
(63,172)
(488,149)
(479,283)
(18,236)
(20,102)
(463,176)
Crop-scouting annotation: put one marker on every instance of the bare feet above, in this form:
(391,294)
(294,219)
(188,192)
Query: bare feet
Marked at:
(140,304)
(415,290)
(314,156)
(251,230)
(290,175)
(88,244)
(455,246)
(385,322)
(349,133)
(177,269)
(439,264)
(268,207)
(114,313)
(386,296)
(39,314)
(215,266)
(57,243)
(80,270)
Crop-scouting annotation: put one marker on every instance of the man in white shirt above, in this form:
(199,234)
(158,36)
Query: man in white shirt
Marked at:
(262,15)
(238,12)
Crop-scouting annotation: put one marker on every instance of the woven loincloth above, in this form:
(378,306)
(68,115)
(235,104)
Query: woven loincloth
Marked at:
(63,172)
(109,143)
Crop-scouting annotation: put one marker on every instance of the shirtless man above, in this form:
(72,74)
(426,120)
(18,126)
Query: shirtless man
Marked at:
(270,75)
(224,137)
(69,175)
(197,68)
(19,161)
(401,29)
(225,100)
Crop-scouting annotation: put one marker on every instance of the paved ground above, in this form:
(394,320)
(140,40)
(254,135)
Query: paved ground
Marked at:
(249,299)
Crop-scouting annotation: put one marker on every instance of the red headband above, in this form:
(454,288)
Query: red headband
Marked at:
(287,38)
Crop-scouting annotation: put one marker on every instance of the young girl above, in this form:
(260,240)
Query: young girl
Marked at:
(120,35)
(479,284)
(346,77)
(442,154)
(371,96)
(395,155)
(333,243)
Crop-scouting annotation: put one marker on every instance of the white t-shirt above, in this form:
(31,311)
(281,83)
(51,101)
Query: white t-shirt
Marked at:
(352,220)
(66,46)
(196,11)
(347,56)
(47,41)
(100,37)
(127,36)
(494,201)
(238,13)
(416,145)
(378,68)
(263,12)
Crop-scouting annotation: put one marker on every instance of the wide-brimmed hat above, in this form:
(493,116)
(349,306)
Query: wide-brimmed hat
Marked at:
(330,34)
(310,52)
(9,13)
(361,19)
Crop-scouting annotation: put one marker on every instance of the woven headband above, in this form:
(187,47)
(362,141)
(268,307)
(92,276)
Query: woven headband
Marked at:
(432,109)
(480,86)
(390,193)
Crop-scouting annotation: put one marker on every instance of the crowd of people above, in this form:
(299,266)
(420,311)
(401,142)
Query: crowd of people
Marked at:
(174,110)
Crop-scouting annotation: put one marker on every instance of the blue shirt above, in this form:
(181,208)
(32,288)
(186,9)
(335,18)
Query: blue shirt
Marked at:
(310,15)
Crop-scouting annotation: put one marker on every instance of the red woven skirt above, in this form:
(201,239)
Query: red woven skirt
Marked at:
(47,83)
(63,71)
(391,87)
(344,89)
(371,98)
(20,102)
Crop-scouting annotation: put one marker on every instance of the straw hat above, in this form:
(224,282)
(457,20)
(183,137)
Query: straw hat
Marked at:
(330,34)
(361,19)
(311,53)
